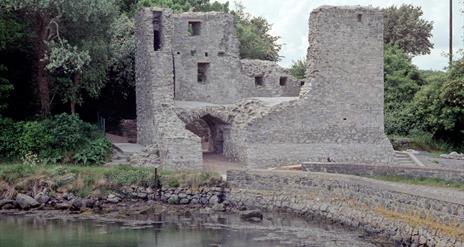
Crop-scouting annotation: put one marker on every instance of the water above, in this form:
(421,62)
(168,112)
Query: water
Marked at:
(36,231)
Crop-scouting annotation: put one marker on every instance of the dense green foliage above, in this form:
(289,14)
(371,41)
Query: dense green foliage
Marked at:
(298,68)
(425,105)
(10,32)
(402,81)
(62,138)
(405,28)
(254,37)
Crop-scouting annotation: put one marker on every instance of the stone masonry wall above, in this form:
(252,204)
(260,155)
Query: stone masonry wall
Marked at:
(158,123)
(339,114)
(272,74)
(409,215)
(375,170)
(228,79)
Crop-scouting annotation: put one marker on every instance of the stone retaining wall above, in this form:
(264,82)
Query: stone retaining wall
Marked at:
(405,214)
(370,170)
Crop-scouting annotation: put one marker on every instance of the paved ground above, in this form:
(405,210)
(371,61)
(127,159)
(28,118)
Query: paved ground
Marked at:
(437,193)
(435,161)
(218,163)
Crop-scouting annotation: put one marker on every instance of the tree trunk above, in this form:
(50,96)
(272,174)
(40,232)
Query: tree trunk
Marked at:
(41,30)
(76,82)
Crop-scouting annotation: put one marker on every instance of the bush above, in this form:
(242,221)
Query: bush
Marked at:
(94,152)
(9,135)
(61,139)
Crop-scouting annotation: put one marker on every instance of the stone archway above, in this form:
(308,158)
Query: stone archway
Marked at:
(211,131)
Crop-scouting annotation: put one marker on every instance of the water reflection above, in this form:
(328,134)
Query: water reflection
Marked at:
(19,231)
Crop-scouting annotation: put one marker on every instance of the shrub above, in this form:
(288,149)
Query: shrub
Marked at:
(95,152)
(9,135)
(63,138)
(69,131)
(34,138)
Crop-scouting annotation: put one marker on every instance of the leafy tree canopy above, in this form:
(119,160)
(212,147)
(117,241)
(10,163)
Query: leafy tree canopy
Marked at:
(406,29)
(298,68)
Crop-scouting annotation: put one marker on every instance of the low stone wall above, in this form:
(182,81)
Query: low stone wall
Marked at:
(370,170)
(206,196)
(408,215)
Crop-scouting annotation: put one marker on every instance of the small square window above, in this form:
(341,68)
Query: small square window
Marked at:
(259,81)
(206,54)
(194,28)
(202,72)
(283,81)
(302,83)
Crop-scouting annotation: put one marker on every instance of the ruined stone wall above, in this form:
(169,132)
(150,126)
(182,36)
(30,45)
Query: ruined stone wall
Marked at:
(339,116)
(275,79)
(194,58)
(392,210)
(158,122)
(215,45)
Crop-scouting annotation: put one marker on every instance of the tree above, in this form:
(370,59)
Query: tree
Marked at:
(254,37)
(406,29)
(186,5)
(10,32)
(5,89)
(298,68)
(402,81)
(50,20)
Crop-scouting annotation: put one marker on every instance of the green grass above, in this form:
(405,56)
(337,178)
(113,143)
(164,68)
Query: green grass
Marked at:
(422,181)
(85,180)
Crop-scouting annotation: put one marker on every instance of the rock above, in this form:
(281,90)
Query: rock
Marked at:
(142,195)
(213,200)
(63,206)
(42,198)
(88,203)
(194,201)
(184,201)
(174,199)
(26,202)
(219,207)
(5,202)
(113,198)
(251,215)
(204,200)
(182,195)
(76,204)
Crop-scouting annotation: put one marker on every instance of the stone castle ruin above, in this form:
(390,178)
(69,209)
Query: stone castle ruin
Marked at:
(195,95)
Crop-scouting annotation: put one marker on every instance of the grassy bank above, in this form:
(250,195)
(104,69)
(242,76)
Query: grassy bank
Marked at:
(87,180)
(422,181)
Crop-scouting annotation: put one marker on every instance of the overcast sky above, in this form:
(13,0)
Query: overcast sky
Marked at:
(289,19)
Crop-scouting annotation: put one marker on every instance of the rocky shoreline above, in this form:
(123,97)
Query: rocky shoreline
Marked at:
(253,196)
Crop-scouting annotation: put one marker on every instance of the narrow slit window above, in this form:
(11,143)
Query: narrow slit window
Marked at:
(157,30)
(360,16)
(259,81)
(202,72)
(194,28)
(221,54)
(283,81)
